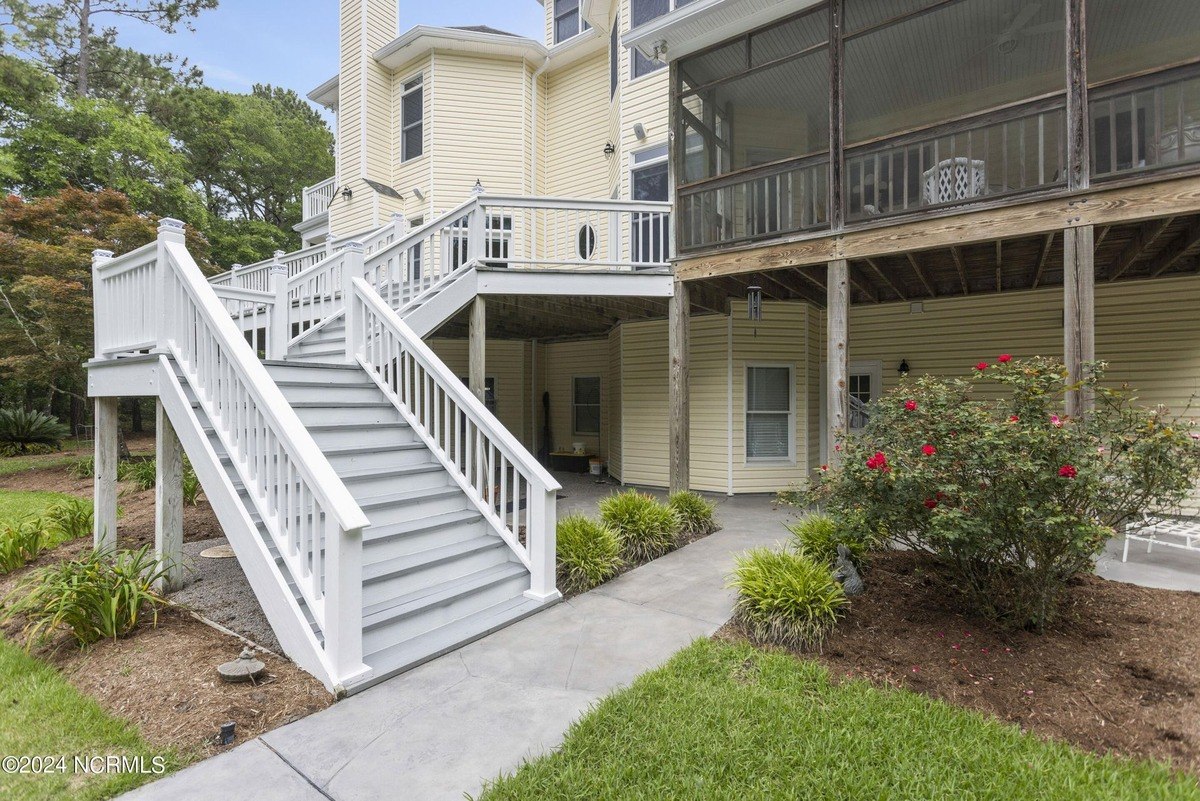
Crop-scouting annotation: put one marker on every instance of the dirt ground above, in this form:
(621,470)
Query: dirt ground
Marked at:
(1119,673)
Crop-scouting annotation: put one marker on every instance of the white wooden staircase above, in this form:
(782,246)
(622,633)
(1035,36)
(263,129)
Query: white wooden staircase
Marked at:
(381,514)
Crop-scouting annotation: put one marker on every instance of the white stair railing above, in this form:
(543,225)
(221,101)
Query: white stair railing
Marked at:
(310,516)
(500,477)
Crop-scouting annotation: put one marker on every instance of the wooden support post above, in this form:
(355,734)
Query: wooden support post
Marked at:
(678,404)
(477,349)
(352,267)
(837,308)
(168,501)
(836,117)
(1078,155)
(104,533)
(1079,318)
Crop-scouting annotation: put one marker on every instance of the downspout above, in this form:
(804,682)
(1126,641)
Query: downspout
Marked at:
(533,123)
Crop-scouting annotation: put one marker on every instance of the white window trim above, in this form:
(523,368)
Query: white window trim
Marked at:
(599,406)
(404,157)
(582,27)
(762,461)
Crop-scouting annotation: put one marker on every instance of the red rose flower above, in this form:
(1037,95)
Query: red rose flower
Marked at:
(981,366)
(878,461)
(1004,358)
(928,450)
(1014,419)
(1067,471)
(941,496)
(911,405)
(930,503)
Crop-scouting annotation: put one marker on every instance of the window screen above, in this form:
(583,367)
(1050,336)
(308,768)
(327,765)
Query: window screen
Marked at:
(586,404)
(412,111)
(768,412)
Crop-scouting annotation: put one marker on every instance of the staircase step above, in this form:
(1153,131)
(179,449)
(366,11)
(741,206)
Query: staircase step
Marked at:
(359,413)
(382,542)
(429,608)
(375,482)
(327,372)
(401,507)
(395,659)
(381,435)
(306,391)
(361,457)
(320,353)
(415,571)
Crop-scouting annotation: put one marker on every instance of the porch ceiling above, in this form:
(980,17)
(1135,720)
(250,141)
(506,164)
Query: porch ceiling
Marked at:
(555,317)
(1131,251)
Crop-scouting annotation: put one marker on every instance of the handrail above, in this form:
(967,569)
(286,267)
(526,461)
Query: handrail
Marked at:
(318,196)
(308,512)
(494,470)
(120,285)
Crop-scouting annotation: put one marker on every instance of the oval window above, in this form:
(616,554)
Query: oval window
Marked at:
(586,241)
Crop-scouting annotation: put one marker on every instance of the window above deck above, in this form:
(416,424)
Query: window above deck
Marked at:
(943,103)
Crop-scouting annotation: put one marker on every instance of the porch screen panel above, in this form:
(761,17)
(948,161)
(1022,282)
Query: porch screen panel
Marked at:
(768,412)
(947,62)
(1125,38)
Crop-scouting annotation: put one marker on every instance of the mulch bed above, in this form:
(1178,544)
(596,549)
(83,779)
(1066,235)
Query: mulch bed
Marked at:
(1119,672)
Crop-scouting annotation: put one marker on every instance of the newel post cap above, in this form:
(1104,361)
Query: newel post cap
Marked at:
(170,228)
(100,256)
(353,246)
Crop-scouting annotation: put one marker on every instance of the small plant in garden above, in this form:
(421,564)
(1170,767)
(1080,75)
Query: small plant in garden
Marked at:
(589,553)
(191,485)
(1013,495)
(142,472)
(84,468)
(20,543)
(696,515)
(819,535)
(647,528)
(23,431)
(102,595)
(70,518)
(785,598)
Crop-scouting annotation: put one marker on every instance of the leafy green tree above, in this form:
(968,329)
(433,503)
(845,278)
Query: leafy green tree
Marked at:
(124,75)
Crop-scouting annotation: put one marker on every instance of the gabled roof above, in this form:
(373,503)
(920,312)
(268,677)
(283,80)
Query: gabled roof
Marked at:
(482,29)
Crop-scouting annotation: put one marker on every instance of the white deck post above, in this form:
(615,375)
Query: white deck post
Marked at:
(352,267)
(104,532)
(170,230)
(1079,318)
(838,312)
(343,600)
(168,500)
(476,234)
(477,349)
(541,538)
(678,402)
(279,330)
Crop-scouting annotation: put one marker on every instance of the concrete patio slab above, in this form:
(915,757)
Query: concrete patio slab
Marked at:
(253,767)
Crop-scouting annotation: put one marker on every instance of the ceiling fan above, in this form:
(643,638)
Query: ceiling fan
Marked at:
(1008,39)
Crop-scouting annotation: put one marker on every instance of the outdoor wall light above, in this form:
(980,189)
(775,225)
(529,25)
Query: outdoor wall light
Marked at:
(347,193)
(903,367)
(754,302)
(609,148)
(639,131)
(418,194)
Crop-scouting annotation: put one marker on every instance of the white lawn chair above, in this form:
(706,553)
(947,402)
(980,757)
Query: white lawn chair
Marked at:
(1168,532)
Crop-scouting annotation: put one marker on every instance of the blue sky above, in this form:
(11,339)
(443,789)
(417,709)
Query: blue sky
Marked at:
(293,43)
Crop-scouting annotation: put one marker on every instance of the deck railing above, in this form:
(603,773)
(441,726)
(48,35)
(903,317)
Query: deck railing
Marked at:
(1145,124)
(317,198)
(309,515)
(500,477)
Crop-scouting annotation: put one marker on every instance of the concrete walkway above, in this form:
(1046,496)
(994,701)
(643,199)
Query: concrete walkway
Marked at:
(443,729)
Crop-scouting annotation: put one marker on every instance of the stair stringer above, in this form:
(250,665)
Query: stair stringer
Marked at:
(267,581)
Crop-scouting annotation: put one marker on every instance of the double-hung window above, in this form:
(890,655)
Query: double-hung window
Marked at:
(770,413)
(644,11)
(412,114)
(585,405)
(614,57)
(568,21)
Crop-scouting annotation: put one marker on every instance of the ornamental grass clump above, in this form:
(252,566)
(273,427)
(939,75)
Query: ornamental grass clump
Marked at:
(647,528)
(70,518)
(21,542)
(589,553)
(103,595)
(1013,496)
(785,598)
(25,432)
(696,515)
(819,535)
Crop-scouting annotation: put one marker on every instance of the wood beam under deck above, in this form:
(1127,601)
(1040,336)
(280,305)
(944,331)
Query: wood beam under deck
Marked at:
(916,268)
(1144,238)
(887,280)
(1176,250)
(1041,265)
(1110,205)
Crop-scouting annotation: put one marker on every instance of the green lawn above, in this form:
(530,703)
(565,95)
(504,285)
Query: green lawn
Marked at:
(723,721)
(18,464)
(15,504)
(41,714)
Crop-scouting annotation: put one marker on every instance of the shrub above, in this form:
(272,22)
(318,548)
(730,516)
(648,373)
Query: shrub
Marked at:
(589,553)
(21,543)
(70,518)
(99,596)
(647,528)
(84,468)
(785,598)
(819,535)
(1015,497)
(142,472)
(696,515)
(34,449)
(191,486)
(24,431)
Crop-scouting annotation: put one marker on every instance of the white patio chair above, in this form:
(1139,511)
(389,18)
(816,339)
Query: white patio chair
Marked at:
(1168,532)
(954,179)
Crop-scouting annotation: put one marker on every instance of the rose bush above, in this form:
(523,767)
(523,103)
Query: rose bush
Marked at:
(1013,495)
